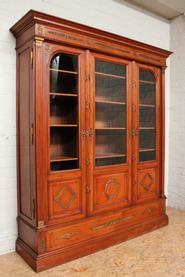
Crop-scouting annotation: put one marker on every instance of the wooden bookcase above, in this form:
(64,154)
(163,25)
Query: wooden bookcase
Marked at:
(90,139)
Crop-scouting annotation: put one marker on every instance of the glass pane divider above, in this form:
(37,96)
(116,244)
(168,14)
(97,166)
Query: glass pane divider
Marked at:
(63,94)
(147,128)
(63,71)
(147,105)
(147,82)
(109,128)
(63,125)
(110,102)
(147,150)
(110,156)
(110,75)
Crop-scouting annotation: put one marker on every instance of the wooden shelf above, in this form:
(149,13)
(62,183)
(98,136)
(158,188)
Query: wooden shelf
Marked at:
(147,106)
(147,150)
(109,155)
(147,82)
(110,75)
(63,125)
(63,94)
(109,102)
(109,128)
(63,71)
(63,158)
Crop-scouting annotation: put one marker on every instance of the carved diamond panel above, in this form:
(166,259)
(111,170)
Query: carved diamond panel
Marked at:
(65,197)
(66,200)
(147,182)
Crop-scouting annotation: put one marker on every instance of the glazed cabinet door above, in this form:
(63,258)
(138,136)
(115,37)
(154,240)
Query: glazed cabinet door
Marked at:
(64,89)
(147,132)
(109,143)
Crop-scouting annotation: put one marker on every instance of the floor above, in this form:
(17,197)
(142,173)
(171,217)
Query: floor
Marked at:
(160,253)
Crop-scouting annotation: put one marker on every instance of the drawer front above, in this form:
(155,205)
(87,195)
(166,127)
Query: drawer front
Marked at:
(75,233)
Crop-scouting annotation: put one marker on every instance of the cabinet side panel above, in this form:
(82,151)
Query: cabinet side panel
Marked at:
(24,134)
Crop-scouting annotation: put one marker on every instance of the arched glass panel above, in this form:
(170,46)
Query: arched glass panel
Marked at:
(147,115)
(64,118)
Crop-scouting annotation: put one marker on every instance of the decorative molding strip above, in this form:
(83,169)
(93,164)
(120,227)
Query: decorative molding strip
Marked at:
(111,222)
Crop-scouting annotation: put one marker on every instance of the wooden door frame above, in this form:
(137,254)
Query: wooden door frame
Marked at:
(156,71)
(49,50)
(91,122)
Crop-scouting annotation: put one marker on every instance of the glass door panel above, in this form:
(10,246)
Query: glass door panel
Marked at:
(64,118)
(110,113)
(147,115)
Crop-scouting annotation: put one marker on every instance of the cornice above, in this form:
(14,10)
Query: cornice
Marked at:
(35,17)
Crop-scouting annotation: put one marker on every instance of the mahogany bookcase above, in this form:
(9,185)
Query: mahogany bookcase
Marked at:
(90,139)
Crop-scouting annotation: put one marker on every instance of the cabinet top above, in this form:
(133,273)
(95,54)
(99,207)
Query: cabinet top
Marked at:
(54,28)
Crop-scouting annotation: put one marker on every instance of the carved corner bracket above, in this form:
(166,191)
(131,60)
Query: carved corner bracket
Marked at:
(39,41)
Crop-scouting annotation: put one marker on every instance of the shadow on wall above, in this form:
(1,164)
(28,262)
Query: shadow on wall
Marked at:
(132,6)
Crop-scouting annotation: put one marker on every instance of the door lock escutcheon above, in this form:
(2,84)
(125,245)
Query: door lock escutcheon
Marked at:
(134,133)
(87,133)
(88,162)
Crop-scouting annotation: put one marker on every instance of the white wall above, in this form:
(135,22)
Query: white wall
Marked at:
(177,115)
(110,15)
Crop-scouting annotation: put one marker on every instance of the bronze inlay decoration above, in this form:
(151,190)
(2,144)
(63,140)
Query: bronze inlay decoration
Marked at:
(69,235)
(146,57)
(149,211)
(111,222)
(43,245)
(40,30)
(114,48)
(112,189)
(59,198)
(40,224)
(65,35)
(147,182)
(47,47)
(86,41)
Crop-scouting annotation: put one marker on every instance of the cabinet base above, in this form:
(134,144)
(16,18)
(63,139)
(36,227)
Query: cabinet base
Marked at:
(47,260)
